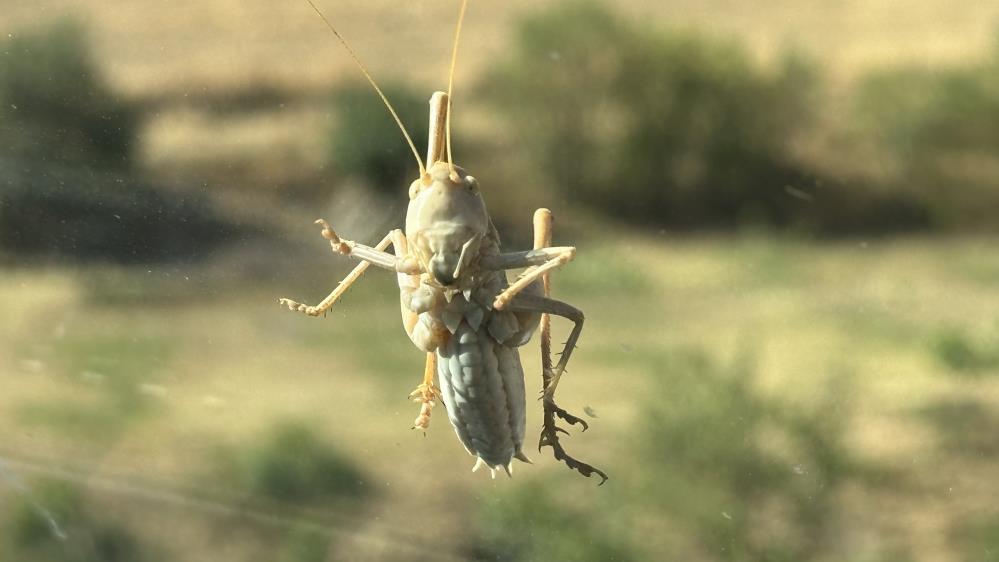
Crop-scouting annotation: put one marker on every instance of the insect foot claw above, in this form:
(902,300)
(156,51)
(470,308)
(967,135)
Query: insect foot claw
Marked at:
(427,395)
(338,245)
(573,420)
(299,307)
(328,232)
(550,438)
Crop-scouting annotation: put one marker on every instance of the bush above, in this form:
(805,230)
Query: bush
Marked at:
(670,128)
(966,427)
(82,214)
(55,104)
(961,354)
(66,189)
(304,544)
(529,523)
(938,130)
(979,537)
(366,142)
(713,470)
(740,476)
(52,523)
(293,464)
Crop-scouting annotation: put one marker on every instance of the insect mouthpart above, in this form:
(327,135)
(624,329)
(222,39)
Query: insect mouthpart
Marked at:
(447,253)
(442,271)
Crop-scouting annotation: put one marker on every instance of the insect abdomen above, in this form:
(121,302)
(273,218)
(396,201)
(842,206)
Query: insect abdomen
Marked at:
(482,384)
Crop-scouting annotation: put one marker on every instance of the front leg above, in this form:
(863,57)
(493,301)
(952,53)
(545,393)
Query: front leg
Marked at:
(375,256)
(398,263)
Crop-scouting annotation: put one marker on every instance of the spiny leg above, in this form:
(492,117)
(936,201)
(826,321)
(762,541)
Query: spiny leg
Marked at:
(427,394)
(550,431)
(543,239)
(550,376)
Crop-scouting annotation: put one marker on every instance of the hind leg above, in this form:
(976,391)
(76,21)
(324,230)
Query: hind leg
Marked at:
(551,374)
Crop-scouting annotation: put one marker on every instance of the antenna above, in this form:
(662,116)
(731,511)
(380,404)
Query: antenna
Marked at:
(450,87)
(405,133)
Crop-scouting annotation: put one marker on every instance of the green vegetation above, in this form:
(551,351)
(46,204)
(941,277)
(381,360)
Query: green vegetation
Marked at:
(533,522)
(55,104)
(292,464)
(936,130)
(305,545)
(671,128)
(366,142)
(981,535)
(726,472)
(750,478)
(75,532)
(67,188)
(964,355)
(107,374)
(682,129)
(766,397)
(788,450)
(966,427)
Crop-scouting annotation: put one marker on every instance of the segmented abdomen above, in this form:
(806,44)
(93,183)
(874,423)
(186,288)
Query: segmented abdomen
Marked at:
(482,385)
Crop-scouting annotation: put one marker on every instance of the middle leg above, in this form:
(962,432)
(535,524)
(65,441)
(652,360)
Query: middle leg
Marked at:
(427,394)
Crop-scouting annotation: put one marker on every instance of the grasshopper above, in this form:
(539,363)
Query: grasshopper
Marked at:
(458,305)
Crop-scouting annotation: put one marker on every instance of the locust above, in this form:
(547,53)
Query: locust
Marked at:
(458,305)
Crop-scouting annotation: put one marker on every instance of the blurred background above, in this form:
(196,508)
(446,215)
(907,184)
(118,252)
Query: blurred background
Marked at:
(786,215)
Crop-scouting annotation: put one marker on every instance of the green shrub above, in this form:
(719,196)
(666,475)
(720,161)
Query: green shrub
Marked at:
(52,523)
(740,476)
(937,130)
(293,464)
(304,544)
(108,398)
(714,470)
(961,354)
(66,186)
(967,428)
(54,103)
(366,142)
(667,127)
(83,214)
(530,523)
(979,538)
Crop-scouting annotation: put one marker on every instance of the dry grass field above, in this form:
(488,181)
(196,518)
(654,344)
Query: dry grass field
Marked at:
(141,402)
(179,54)
(186,45)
